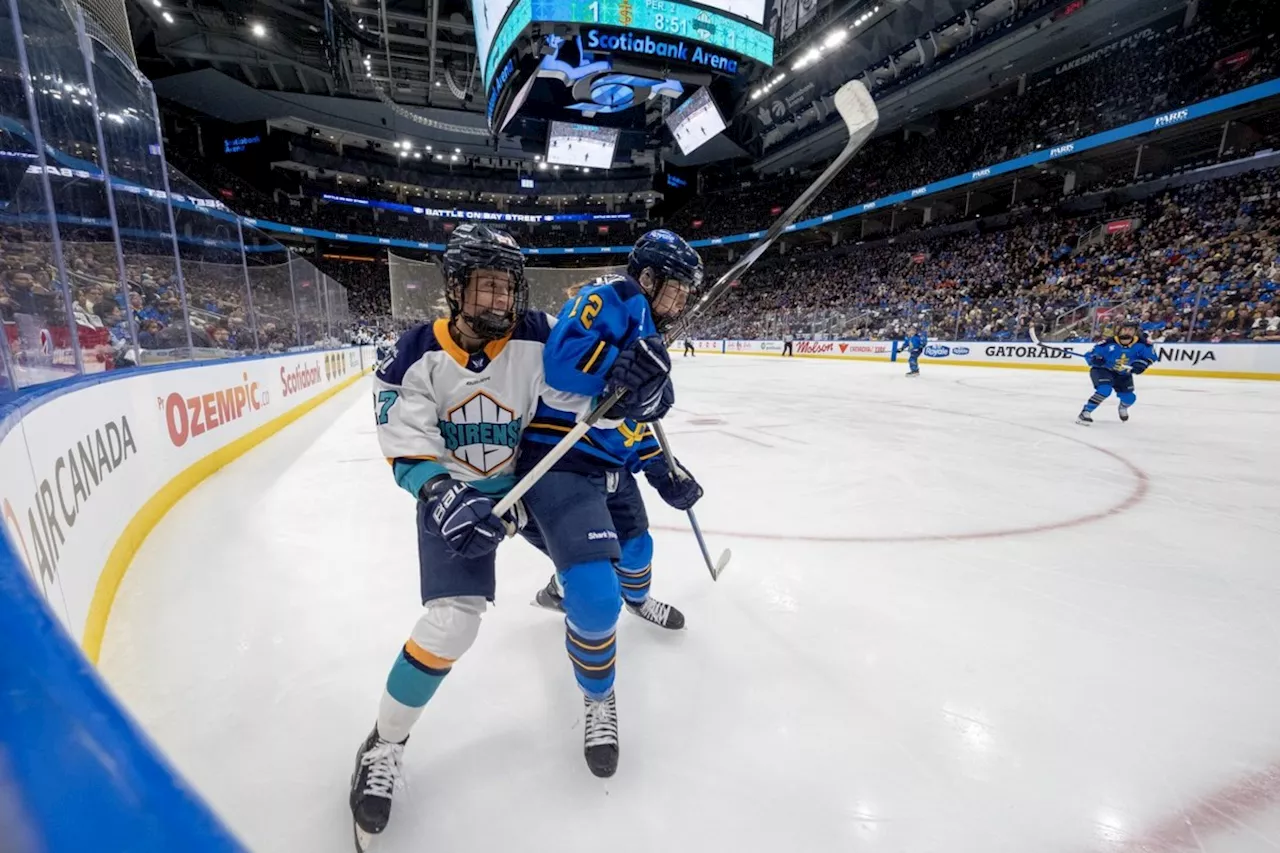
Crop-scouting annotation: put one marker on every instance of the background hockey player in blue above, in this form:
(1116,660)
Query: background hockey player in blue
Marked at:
(1112,365)
(914,344)
(638,450)
(605,338)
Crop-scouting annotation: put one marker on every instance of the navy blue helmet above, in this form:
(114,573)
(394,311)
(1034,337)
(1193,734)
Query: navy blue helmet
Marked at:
(668,255)
(475,246)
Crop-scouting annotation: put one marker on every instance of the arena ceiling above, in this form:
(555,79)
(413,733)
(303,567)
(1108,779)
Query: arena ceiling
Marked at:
(398,63)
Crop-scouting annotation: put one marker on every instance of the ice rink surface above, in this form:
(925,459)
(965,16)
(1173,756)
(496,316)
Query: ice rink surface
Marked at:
(955,622)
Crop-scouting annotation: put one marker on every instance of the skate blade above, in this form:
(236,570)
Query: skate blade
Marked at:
(542,603)
(1083,423)
(364,840)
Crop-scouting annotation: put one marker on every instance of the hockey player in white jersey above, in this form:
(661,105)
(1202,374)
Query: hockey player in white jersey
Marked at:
(451,403)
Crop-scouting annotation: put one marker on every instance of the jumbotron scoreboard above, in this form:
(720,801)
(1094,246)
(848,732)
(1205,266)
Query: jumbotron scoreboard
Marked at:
(596,59)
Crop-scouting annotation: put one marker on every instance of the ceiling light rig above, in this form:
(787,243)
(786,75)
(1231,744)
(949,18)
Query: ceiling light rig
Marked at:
(768,87)
(830,42)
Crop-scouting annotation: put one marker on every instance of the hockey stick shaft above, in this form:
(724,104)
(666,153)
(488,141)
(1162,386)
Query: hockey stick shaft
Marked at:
(554,455)
(679,473)
(861,117)
(1035,339)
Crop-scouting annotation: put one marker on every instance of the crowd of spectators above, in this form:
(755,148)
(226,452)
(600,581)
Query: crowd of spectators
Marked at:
(1200,263)
(250,200)
(1176,68)
(1197,263)
(220,313)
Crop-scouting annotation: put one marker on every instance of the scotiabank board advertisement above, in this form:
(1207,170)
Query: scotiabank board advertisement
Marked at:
(77,467)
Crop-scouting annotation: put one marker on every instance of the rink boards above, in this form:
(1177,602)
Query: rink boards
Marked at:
(90,466)
(1214,361)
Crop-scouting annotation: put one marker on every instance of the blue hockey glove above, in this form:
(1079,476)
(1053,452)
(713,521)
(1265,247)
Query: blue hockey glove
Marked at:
(642,371)
(463,517)
(679,492)
(1139,367)
(1098,360)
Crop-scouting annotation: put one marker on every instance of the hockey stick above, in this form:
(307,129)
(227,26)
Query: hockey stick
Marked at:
(858,110)
(860,118)
(679,473)
(1035,339)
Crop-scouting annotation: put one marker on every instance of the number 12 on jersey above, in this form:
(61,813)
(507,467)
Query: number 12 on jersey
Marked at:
(589,311)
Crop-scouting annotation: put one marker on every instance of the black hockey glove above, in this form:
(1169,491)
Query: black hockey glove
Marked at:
(680,492)
(642,371)
(1139,366)
(516,518)
(463,517)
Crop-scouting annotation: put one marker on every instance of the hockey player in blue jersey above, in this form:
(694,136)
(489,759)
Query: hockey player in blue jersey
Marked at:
(635,445)
(914,344)
(1112,365)
(606,338)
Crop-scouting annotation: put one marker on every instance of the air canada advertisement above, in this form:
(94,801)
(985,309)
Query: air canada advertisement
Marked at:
(78,468)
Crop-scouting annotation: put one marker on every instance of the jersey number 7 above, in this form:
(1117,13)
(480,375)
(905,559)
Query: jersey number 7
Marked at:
(384,400)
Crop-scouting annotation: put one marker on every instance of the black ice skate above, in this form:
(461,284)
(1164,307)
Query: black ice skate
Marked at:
(913,373)
(660,614)
(1124,412)
(1085,419)
(550,596)
(600,735)
(374,780)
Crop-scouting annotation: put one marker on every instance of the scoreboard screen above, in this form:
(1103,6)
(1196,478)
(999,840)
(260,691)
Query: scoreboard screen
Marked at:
(695,121)
(581,145)
(701,24)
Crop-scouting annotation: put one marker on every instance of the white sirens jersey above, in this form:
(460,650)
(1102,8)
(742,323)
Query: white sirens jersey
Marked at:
(441,410)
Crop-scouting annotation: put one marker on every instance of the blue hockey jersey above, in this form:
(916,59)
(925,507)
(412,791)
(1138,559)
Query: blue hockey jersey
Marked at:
(916,343)
(607,315)
(1113,355)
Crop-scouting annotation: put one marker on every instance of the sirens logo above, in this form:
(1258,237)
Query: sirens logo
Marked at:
(595,87)
(481,433)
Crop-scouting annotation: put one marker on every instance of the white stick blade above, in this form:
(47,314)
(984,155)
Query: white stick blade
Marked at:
(857,108)
(721,563)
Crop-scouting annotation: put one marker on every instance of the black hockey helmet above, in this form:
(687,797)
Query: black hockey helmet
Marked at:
(472,247)
(1130,324)
(669,258)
